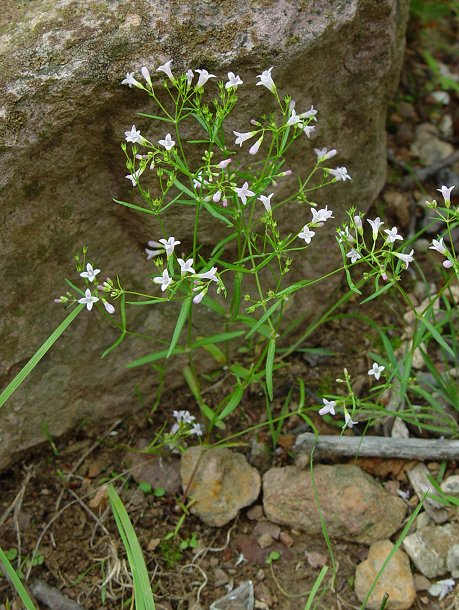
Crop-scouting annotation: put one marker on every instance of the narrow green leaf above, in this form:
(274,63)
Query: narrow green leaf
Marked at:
(134,207)
(264,317)
(378,293)
(220,338)
(185,190)
(216,354)
(184,310)
(315,587)
(269,367)
(438,338)
(234,399)
(16,581)
(28,368)
(213,212)
(153,357)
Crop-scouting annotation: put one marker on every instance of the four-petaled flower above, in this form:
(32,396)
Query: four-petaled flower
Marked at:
(130,80)
(168,142)
(323,154)
(90,273)
(340,173)
(165,280)
(209,275)
(266,80)
(266,201)
(329,407)
(392,235)
(196,429)
(203,78)
(306,234)
(243,192)
(166,68)
(376,370)
(439,246)
(354,255)
(446,193)
(134,178)
(348,421)
(233,81)
(375,225)
(88,299)
(406,258)
(242,137)
(186,266)
(169,245)
(134,136)
(320,216)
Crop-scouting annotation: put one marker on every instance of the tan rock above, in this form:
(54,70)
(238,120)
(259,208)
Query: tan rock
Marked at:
(396,579)
(355,507)
(220,481)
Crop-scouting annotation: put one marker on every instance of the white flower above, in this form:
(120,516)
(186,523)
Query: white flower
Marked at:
(90,273)
(446,193)
(224,164)
(320,216)
(130,80)
(168,142)
(328,408)
(294,118)
(242,137)
(216,196)
(254,148)
(189,77)
(348,422)
(134,178)
(311,113)
(406,258)
(266,201)
(209,275)
(447,264)
(108,306)
(203,78)
(358,223)
(166,68)
(88,299)
(353,255)
(442,588)
(244,192)
(267,81)
(323,153)
(308,130)
(186,266)
(233,81)
(159,249)
(340,173)
(196,429)
(376,370)
(439,246)
(169,245)
(165,280)
(344,235)
(306,234)
(134,136)
(198,298)
(392,235)
(146,75)
(375,225)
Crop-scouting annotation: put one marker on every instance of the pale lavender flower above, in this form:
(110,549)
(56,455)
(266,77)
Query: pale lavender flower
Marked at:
(197,430)
(254,148)
(266,201)
(446,193)
(442,588)
(189,77)
(88,299)
(447,264)
(134,136)
(168,142)
(340,173)
(198,298)
(169,245)
(242,137)
(376,224)
(134,178)
(203,78)
(308,129)
(166,68)
(306,234)
(158,249)
(165,280)
(266,80)
(358,223)
(376,370)
(147,77)
(439,246)
(243,192)
(233,81)
(348,421)
(311,113)
(209,275)
(216,196)
(294,118)
(392,235)
(344,235)
(108,306)
(406,258)
(321,216)
(90,273)
(224,164)
(323,153)
(329,407)
(130,80)
(353,255)
(186,266)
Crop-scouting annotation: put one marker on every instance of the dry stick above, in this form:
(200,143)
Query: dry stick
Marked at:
(378,446)
(53,598)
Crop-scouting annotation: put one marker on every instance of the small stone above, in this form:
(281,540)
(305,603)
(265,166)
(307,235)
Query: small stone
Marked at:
(153,544)
(421,583)
(428,146)
(428,548)
(267,527)
(158,471)
(220,481)
(452,561)
(451,485)
(422,520)
(221,577)
(255,513)
(355,506)
(286,539)
(264,541)
(396,579)
(263,594)
(315,559)
(260,575)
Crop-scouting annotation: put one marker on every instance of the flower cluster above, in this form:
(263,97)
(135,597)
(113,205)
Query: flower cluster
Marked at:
(184,427)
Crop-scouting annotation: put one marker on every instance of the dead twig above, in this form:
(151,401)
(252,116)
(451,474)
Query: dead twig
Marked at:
(53,598)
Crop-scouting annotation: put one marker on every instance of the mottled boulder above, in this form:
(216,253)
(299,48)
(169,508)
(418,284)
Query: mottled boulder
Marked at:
(64,113)
(220,481)
(355,507)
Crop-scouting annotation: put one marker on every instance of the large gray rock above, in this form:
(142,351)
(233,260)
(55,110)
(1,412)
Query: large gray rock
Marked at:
(63,115)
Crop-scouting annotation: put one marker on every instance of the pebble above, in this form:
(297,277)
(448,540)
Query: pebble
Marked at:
(396,579)
(255,513)
(451,485)
(421,583)
(452,561)
(428,145)
(428,548)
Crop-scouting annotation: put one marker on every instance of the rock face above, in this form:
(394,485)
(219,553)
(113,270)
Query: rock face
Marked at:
(64,114)
(354,506)
(433,549)
(396,579)
(220,481)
